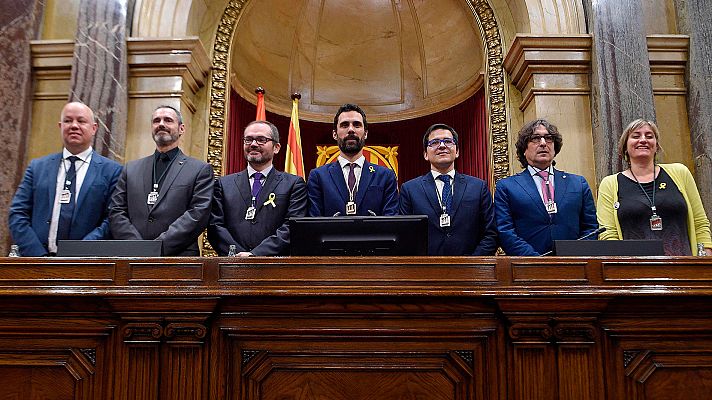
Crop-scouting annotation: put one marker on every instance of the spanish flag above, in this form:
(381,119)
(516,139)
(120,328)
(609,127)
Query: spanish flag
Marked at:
(294,162)
(260,104)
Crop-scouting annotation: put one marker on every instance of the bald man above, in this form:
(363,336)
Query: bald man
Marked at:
(64,195)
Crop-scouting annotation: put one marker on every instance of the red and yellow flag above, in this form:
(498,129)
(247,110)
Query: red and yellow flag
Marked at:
(260,104)
(294,162)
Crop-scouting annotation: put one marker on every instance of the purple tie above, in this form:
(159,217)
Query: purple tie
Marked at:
(547,190)
(257,184)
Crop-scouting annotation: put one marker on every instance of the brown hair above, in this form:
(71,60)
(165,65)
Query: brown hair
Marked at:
(527,132)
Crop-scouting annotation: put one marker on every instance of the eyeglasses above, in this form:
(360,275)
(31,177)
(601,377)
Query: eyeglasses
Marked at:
(537,138)
(435,143)
(261,140)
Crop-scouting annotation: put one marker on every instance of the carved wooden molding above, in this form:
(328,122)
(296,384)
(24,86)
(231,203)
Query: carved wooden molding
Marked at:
(142,331)
(248,355)
(185,332)
(90,354)
(668,55)
(554,331)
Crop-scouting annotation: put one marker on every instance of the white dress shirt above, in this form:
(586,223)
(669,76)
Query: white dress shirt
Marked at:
(357,170)
(538,179)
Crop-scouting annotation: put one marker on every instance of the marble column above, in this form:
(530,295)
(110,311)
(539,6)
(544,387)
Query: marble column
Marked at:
(694,18)
(99,71)
(19,23)
(620,80)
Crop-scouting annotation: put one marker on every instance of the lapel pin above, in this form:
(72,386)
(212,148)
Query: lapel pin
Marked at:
(270,200)
(371,169)
(662,186)
(616,205)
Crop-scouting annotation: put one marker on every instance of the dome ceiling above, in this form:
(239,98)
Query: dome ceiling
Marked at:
(397,59)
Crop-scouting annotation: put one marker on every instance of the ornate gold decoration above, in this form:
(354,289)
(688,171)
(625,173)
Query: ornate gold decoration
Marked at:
(494,88)
(381,155)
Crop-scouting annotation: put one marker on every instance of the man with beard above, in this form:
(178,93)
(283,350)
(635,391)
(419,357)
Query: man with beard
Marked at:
(352,185)
(251,208)
(64,195)
(458,206)
(165,196)
(541,204)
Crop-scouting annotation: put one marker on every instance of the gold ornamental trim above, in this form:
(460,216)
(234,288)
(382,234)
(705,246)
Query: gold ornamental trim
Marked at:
(494,87)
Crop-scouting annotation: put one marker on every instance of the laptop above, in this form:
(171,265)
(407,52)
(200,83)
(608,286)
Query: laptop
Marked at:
(608,248)
(109,248)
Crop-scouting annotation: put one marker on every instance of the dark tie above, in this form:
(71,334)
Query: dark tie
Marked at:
(352,177)
(161,165)
(257,184)
(447,193)
(66,211)
(547,190)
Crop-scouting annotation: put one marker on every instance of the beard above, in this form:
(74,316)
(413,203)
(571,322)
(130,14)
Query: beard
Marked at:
(165,137)
(259,159)
(351,148)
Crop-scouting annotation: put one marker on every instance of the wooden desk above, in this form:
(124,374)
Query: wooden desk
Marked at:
(356,328)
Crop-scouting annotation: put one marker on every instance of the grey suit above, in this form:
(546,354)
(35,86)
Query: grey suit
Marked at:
(180,213)
(268,232)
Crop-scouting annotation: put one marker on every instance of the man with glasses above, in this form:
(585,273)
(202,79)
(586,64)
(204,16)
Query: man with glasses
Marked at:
(541,204)
(352,185)
(458,206)
(165,196)
(251,208)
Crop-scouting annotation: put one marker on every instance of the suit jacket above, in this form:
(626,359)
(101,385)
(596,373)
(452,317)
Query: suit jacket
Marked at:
(268,233)
(472,229)
(526,229)
(31,208)
(328,194)
(181,212)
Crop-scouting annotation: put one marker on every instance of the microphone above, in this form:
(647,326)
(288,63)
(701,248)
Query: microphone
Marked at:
(596,232)
(584,237)
(336,214)
(373,214)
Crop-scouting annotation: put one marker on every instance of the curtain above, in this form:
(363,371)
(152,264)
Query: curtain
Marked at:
(468,118)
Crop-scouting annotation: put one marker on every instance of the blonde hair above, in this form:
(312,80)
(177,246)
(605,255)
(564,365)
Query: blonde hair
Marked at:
(623,141)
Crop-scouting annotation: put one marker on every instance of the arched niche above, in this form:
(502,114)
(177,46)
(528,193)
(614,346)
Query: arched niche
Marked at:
(499,21)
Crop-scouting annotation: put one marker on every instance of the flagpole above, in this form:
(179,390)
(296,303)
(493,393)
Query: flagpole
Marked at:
(294,161)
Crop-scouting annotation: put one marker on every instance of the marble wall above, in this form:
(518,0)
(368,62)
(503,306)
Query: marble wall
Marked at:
(19,23)
(99,71)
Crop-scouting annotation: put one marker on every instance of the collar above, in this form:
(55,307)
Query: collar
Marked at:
(533,171)
(451,173)
(84,155)
(172,153)
(251,171)
(360,161)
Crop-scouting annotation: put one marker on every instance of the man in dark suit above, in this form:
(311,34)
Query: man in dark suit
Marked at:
(458,206)
(165,196)
(352,185)
(64,195)
(541,204)
(251,208)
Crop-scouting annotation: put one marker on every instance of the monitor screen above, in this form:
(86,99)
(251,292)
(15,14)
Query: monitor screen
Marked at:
(401,235)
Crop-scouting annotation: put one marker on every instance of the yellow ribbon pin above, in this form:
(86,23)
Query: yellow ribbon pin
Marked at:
(662,185)
(371,169)
(270,200)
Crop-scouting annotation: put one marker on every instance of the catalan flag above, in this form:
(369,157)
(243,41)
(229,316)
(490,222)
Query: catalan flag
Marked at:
(294,162)
(260,104)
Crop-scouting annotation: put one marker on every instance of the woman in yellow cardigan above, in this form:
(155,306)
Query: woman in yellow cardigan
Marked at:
(650,200)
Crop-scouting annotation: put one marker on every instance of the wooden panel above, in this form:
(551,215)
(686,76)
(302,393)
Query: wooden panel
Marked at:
(87,272)
(572,272)
(175,274)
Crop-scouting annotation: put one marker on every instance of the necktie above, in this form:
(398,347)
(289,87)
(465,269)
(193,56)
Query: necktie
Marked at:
(66,211)
(257,184)
(447,193)
(162,164)
(352,177)
(547,190)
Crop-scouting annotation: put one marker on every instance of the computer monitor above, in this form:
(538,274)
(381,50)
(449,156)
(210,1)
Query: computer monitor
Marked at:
(608,248)
(402,235)
(109,248)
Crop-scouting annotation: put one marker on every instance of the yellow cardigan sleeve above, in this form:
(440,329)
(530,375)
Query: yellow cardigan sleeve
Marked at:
(606,212)
(697,210)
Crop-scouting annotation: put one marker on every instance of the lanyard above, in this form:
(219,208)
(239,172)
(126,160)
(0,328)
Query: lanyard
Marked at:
(651,201)
(440,193)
